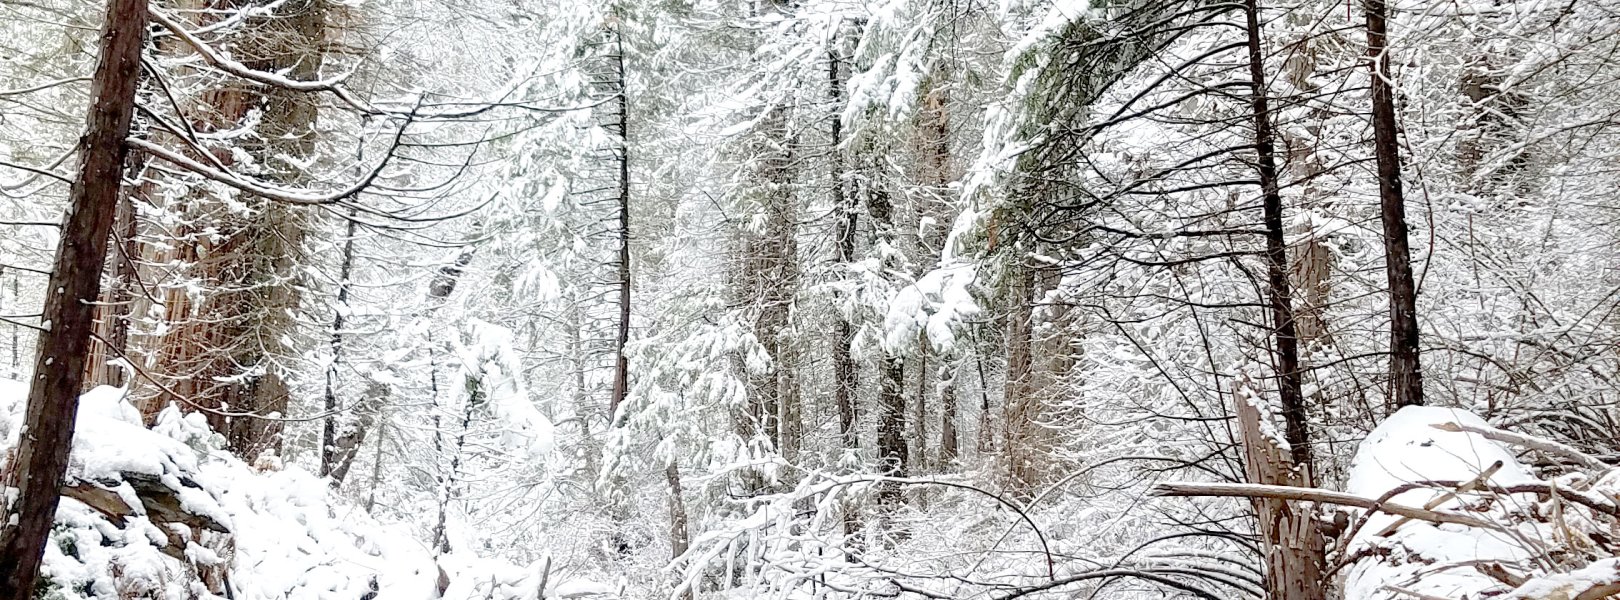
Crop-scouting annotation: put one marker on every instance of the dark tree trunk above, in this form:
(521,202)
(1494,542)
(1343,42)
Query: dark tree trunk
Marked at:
(1293,569)
(1405,372)
(345,446)
(1285,337)
(844,372)
(329,428)
(892,451)
(53,399)
(621,362)
(893,454)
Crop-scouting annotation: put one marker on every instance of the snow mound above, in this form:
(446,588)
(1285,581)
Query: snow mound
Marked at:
(188,520)
(1418,557)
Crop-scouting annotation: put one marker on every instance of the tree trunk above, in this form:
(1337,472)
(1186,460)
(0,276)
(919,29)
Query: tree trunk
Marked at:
(844,372)
(329,428)
(621,362)
(948,434)
(679,538)
(112,311)
(1284,336)
(1405,371)
(893,453)
(985,443)
(1021,409)
(1294,551)
(891,415)
(41,456)
(228,350)
(919,410)
(1294,554)
(345,446)
(767,280)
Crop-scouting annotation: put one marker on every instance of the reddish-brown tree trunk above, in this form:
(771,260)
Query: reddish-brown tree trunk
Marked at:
(53,399)
(112,311)
(1020,408)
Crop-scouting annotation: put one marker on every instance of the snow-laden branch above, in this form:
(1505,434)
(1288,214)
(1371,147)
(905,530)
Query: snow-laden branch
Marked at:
(1301,494)
(1527,441)
(43,86)
(335,85)
(233,67)
(260,188)
(1600,579)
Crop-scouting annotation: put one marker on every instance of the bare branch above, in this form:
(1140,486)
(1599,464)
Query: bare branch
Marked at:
(1527,441)
(1301,494)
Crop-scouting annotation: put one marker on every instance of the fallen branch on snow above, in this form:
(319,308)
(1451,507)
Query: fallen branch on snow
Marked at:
(1303,494)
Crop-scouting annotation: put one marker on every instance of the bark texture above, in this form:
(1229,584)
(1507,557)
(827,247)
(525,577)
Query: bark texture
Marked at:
(1405,369)
(41,457)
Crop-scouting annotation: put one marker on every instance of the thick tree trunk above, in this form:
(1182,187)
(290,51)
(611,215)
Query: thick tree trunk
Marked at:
(891,415)
(893,453)
(767,279)
(1021,409)
(112,311)
(41,457)
(844,372)
(228,350)
(1405,370)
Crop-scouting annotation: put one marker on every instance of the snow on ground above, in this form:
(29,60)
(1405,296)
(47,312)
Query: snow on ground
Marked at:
(1426,559)
(290,537)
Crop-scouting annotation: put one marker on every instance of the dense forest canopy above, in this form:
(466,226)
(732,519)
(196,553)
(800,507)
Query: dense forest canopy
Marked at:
(810,299)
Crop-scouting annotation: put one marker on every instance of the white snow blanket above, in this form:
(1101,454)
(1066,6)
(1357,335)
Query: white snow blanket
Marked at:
(291,537)
(1421,559)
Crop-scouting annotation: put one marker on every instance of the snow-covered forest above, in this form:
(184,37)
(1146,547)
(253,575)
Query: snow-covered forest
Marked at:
(810,299)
